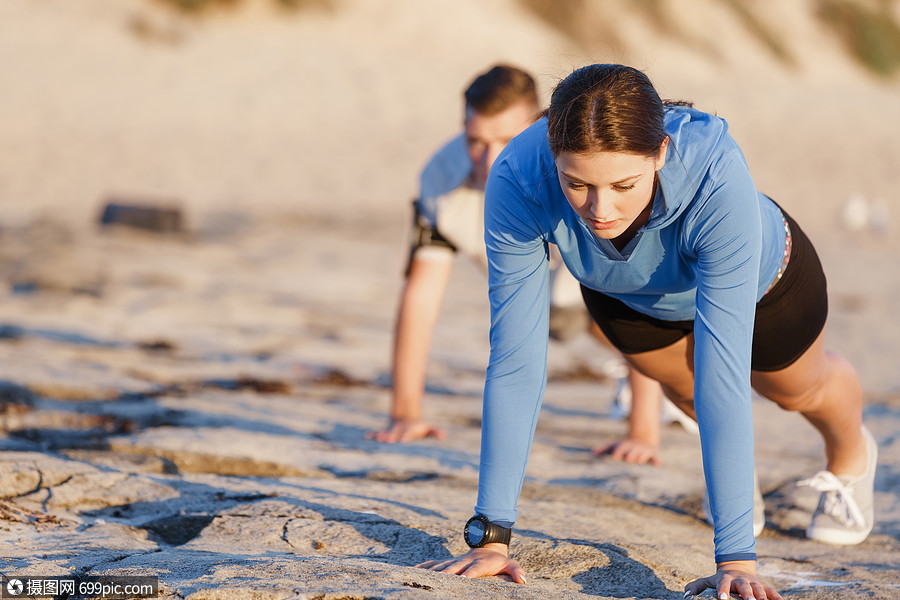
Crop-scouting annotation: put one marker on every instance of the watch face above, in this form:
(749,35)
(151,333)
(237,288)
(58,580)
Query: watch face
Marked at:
(475,532)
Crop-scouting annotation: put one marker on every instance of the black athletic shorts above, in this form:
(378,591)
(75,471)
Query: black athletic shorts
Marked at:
(788,319)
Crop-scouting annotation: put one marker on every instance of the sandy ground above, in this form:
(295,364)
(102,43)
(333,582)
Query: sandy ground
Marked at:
(194,406)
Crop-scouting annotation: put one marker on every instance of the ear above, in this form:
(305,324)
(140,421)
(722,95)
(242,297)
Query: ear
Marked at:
(661,157)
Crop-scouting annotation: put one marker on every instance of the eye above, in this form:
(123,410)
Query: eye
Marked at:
(576,186)
(623,188)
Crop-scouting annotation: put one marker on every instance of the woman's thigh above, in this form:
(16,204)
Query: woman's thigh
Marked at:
(792,385)
(672,367)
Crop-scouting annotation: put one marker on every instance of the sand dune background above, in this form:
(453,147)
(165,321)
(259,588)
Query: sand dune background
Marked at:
(193,406)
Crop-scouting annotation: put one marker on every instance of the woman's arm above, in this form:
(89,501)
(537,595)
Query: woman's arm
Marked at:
(724,232)
(517,372)
(516,375)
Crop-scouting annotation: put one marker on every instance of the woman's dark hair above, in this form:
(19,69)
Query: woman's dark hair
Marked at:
(610,108)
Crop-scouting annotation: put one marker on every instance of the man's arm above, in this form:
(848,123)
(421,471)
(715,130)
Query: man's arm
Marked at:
(420,303)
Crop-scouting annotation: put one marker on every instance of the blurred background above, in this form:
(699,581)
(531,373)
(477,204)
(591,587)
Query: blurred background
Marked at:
(247,113)
(324,105)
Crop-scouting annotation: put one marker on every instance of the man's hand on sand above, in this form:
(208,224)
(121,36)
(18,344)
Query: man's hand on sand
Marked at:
(492,559)
(631,450)
(406,431)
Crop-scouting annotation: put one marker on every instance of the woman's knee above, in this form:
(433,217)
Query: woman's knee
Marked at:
(806,401)
(807,390)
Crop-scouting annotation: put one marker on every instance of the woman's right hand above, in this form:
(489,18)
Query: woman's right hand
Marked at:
(735,577)
(491,559)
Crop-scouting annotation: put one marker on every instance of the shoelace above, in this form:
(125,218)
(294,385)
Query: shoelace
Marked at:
(839,502)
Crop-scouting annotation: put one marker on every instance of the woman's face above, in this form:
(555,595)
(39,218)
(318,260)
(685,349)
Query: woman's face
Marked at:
(610,190)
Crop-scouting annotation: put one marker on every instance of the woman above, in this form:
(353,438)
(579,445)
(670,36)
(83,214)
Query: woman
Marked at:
(702,282)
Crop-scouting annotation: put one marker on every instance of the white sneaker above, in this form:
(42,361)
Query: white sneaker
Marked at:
(845,514)
(759,508)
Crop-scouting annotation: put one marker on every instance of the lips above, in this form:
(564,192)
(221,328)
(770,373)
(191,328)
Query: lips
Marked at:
(603,224)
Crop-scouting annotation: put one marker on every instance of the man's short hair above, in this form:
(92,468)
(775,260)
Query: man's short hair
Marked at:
(499,88)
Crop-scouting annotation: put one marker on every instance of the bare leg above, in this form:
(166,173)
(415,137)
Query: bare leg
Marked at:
(642,443)
(824,388)
(821,386)
(645,390)
(673,368)
(646,402)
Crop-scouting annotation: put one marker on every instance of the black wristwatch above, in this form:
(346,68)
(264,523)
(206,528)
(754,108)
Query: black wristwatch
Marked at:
(479,531)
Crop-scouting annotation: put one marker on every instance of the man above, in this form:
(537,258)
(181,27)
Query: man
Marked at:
(499,104)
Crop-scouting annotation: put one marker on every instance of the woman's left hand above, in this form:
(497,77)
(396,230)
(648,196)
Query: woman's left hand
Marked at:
(735,577)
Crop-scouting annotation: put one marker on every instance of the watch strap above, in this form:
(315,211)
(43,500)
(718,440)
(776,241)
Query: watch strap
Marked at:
(493,533)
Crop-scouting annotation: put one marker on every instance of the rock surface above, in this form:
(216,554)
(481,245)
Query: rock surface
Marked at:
(229,457)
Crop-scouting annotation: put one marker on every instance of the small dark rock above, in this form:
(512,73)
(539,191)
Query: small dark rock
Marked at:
(161,219)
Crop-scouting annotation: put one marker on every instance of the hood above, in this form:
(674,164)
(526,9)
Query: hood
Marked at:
(695,140)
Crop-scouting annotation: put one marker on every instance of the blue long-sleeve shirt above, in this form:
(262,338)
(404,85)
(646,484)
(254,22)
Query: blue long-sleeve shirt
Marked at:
(709,251)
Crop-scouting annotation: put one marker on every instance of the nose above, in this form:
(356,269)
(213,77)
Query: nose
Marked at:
(599,205)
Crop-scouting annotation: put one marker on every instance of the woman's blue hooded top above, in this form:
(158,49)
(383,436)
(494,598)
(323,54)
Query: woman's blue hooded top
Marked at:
(709,251)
